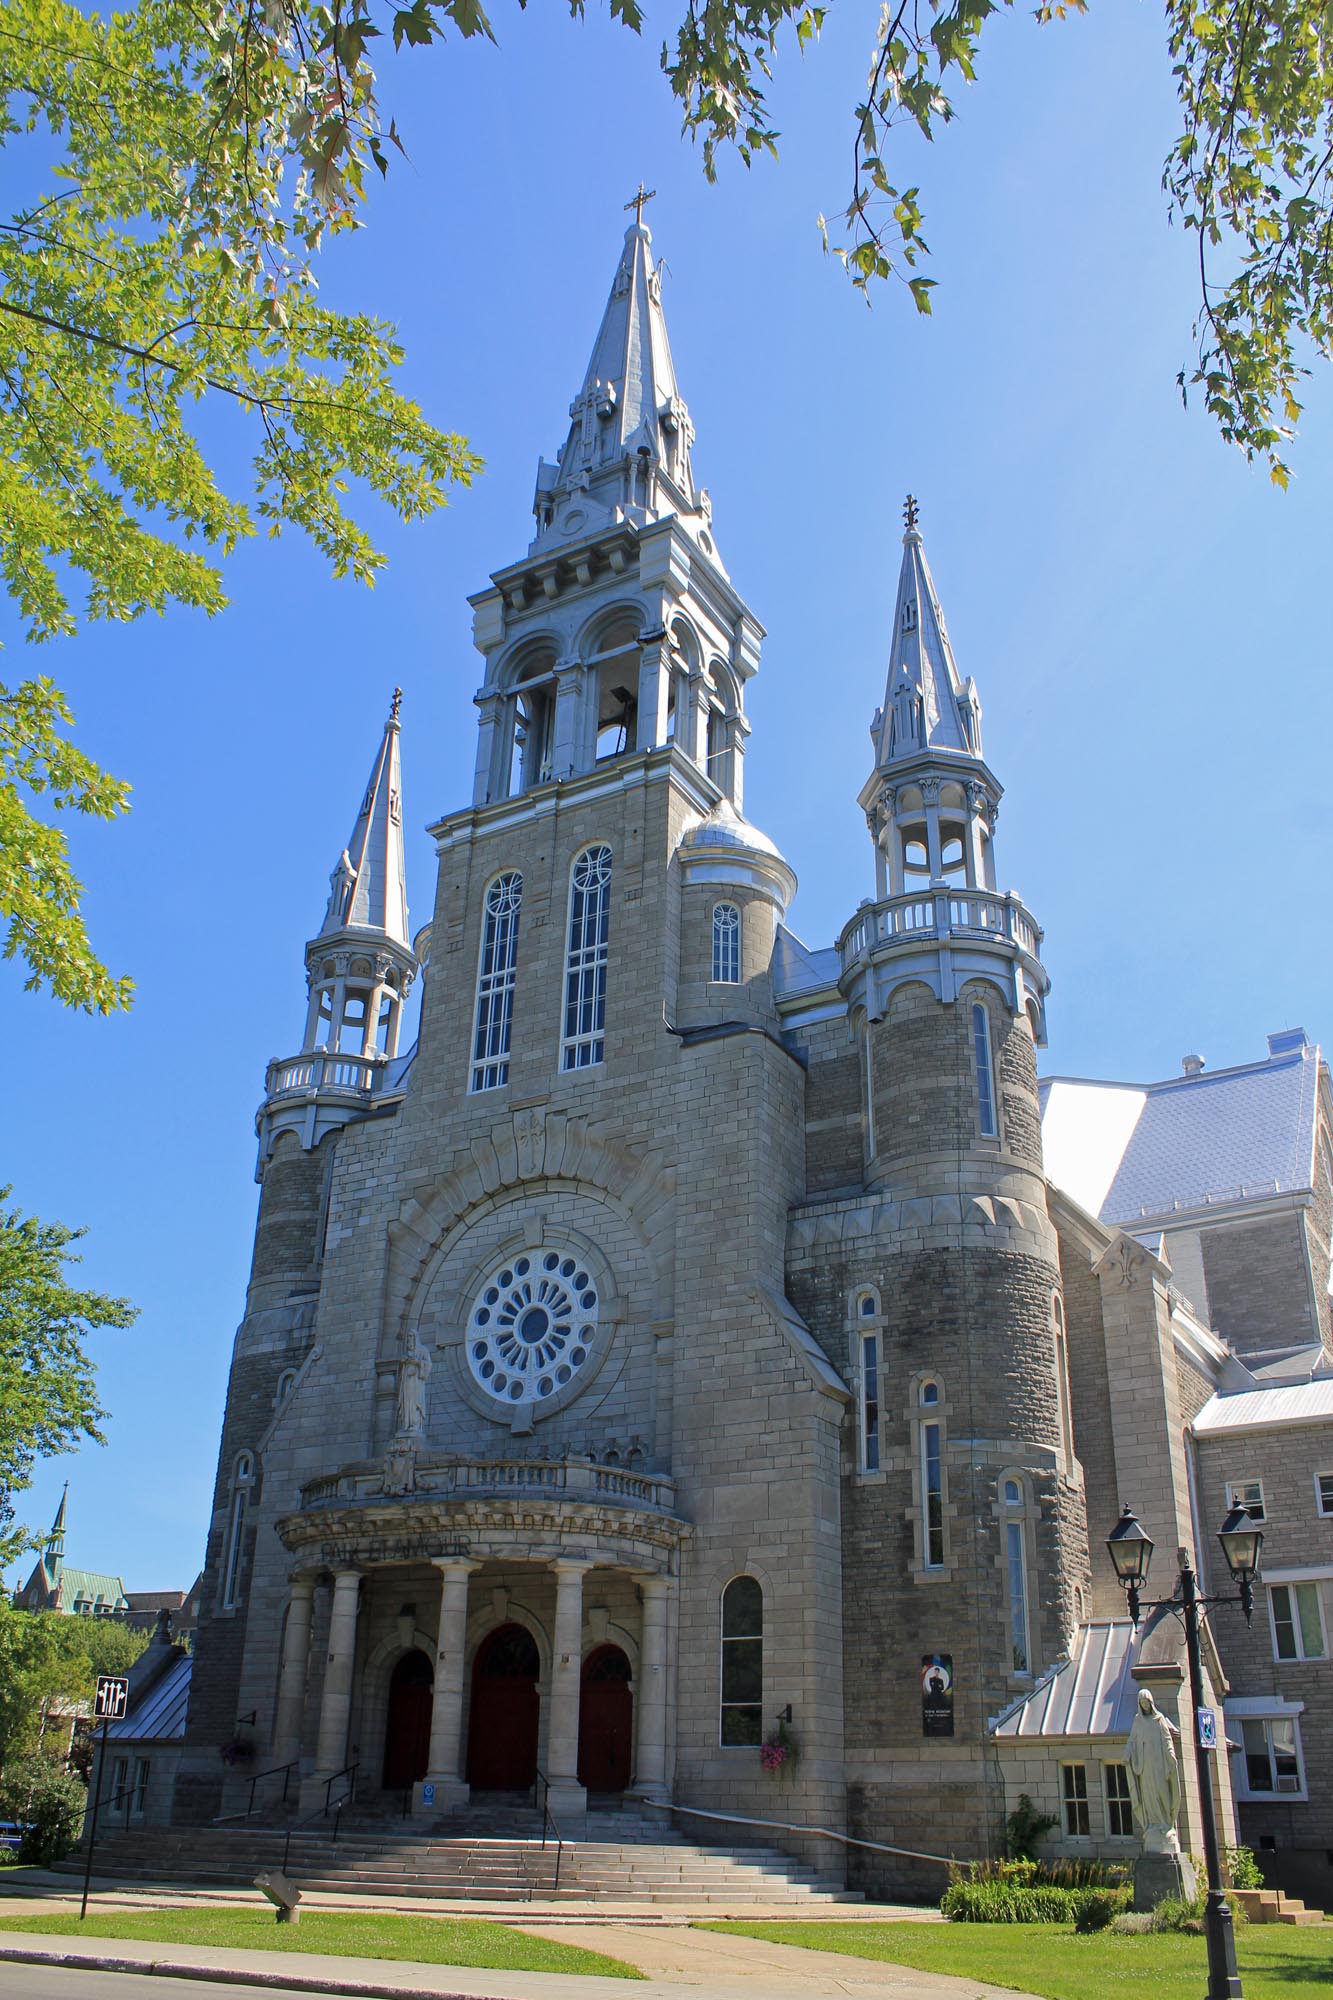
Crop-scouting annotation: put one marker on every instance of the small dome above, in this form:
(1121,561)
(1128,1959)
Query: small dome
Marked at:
(725,832)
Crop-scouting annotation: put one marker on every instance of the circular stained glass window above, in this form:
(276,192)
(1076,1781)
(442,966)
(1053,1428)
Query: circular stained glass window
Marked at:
(532,1326)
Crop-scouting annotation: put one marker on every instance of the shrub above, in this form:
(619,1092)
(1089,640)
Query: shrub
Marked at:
(1243,1869)
(1098,1910)
(1133,1923)
(1025,1827)
(1185,1913)
(42,1798)
(995,1901)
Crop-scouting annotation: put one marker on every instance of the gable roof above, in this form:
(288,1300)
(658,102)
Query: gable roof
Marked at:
(1131,1153)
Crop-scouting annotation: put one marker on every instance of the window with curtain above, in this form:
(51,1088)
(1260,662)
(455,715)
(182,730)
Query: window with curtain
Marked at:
(584,1041)
(742,1663)
(495,982)
(1272,1747)
(726,945)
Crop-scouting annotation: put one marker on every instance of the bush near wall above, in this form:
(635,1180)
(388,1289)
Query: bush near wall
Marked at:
(997,1901)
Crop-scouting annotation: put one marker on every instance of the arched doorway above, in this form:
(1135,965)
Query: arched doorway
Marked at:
(502,1726)
(606,1721)
(407,1732)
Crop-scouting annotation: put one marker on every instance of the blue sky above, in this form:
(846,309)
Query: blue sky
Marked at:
(1144,614)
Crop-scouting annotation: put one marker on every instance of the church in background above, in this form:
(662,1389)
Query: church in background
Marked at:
(682,1373)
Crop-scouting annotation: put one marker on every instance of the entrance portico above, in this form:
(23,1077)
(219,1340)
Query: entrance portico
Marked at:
(498,1577)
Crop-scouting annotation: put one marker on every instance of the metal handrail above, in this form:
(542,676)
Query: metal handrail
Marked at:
(548,1820)
(272,1772)
(322,1812)
(349,1772)
(795,1826)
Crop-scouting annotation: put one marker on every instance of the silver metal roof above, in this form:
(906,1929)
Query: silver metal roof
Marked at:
(1093,1693)
(161,1714)
(1263,1409)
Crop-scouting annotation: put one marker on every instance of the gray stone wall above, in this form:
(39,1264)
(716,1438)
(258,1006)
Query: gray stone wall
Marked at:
(835,1122)
(1259,1288)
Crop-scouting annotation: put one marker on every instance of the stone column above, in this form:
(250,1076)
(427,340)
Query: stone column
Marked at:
(292,1675)
(335,1709)
(568,1797)
(569,752)
(651,1745)
(654,687)
(444,1761)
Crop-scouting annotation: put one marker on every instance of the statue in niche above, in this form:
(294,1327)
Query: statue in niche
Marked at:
(413,1375)
(1154,1777)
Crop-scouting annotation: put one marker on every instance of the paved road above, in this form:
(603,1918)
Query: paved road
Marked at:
(58,1982)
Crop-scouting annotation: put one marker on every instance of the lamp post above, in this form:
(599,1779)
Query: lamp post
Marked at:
(1130,1550)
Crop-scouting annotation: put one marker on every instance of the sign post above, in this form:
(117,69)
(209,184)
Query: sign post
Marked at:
(110,1703)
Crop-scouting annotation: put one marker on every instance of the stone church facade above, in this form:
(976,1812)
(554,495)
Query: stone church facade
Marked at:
(673,1349)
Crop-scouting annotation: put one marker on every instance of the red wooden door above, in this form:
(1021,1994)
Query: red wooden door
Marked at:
(606,1721)
(407,1735)
(502,1726)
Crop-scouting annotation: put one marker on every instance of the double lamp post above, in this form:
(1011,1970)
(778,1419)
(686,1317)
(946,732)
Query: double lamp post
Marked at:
(1131,1550)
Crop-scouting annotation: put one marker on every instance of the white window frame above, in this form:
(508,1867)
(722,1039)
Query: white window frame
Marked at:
(1237,1488)
(497,974)
(242,1479)
(983,1064)
(1295,1622)
(870,1401)
(1265,1713)
(1072,1799)
(1014,1530)
(583,999)
(1324,1512)
(727,933)
(1115,1797)
(926,1424)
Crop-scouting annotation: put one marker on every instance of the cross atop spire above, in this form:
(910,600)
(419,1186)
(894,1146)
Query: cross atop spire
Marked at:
(910,512)
(928,706)
(395,704)
(369,889)
(644,194)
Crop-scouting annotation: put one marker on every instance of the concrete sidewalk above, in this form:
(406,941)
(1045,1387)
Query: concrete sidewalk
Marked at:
(726,1968)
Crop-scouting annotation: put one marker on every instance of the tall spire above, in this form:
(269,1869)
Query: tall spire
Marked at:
(54,1552)
(927,704)
(627,455)
(368,886)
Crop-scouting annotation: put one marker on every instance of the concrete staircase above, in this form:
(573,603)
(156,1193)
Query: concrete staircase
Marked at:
(1273,1906)
(493,1853)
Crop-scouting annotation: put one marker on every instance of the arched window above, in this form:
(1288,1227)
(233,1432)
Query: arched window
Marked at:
(870,1402)
(742,1707)
(1013,1527)
(981,1054)
(495,983)
(930,1473)
(242,1478)
(726,944)
(284,1388)
(533,724)
(584,1040)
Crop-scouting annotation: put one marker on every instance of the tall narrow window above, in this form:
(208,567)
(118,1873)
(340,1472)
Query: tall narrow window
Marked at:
(726,944)
(1062,1382)
(1016,1565)
(1074,1793)
(1298,1625)
(495,983)
(985,1077)
(932,1480)
(1119,1809)
(870,1402)
(742,1663)
(241,1478)
(585,975)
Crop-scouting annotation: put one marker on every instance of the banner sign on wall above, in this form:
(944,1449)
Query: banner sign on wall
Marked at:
(937,1694)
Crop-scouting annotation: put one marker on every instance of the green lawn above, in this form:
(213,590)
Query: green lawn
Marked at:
(1277,1962)
(342,1933)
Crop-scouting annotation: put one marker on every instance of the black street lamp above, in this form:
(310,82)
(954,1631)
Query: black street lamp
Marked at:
(1130,1550)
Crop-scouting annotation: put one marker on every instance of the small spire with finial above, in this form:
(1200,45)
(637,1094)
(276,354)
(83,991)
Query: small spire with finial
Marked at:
(636,203)
(395,704)
(911,512)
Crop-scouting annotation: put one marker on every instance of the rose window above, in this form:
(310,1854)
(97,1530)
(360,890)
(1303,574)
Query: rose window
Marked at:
(532,1326)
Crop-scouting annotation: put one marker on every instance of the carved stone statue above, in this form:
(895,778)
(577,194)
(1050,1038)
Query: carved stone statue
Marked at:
(1154,1776)
(413,1375)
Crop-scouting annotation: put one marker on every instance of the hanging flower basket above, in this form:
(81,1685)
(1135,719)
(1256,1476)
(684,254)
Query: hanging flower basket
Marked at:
(779,1752)
(238,1751)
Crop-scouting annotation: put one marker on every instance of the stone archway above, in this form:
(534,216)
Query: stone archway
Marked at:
(505,1712)
(407,1728)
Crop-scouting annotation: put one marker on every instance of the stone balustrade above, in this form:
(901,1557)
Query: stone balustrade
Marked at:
(322,1070)
(445,1478)
(936,914)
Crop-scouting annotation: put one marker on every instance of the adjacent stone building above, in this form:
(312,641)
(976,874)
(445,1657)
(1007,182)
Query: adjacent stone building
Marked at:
(682,1347)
